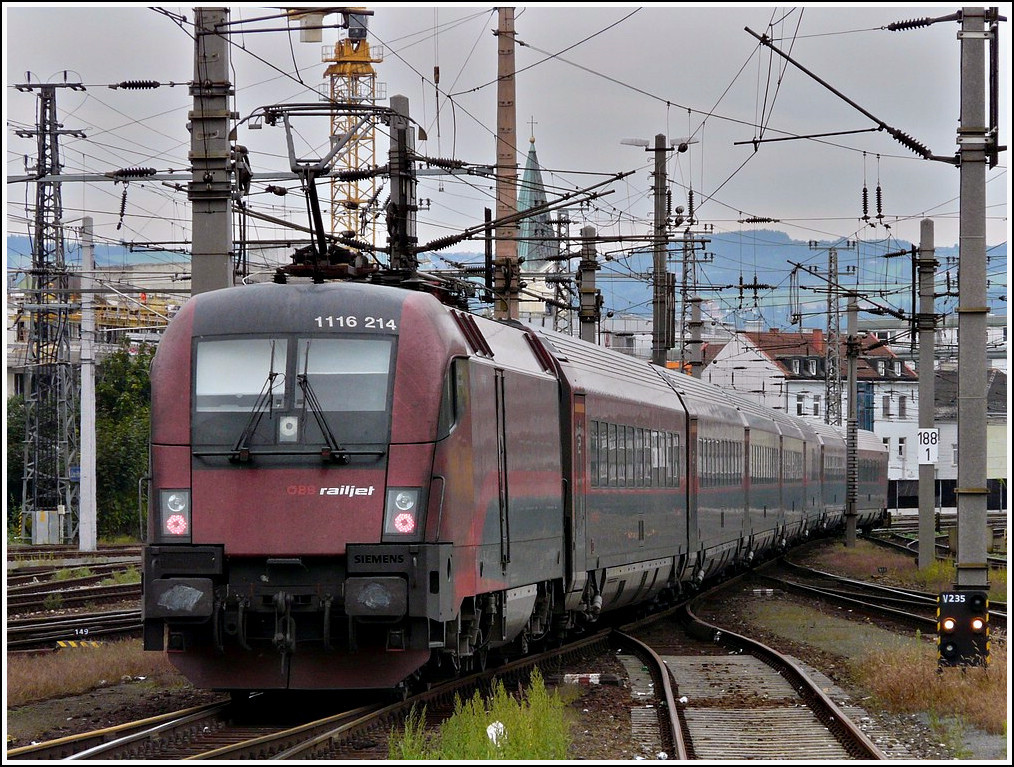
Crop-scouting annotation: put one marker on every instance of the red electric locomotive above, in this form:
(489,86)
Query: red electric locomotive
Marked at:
(353,483)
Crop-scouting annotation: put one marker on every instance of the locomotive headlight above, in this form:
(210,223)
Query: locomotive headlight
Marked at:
(402,514)
(174,514)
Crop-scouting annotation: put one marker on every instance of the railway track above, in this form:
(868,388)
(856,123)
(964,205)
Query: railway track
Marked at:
(47,632)
(739,699)
(260,728)
(902,535)
(43,579)
(20,603)
(908,606)
(661,684)
(22,555)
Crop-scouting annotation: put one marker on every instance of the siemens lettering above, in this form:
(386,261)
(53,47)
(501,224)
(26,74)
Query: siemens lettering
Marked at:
(379,559)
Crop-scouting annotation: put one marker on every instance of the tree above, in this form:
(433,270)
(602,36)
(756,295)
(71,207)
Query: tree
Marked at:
(14,427)
(122,409)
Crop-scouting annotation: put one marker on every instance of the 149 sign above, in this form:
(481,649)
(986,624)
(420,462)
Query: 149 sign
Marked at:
(929,445)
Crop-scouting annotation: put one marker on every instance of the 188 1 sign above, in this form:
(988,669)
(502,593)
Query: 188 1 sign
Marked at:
(929,445)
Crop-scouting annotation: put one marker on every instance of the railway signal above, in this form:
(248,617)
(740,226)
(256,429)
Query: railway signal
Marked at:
(963,628)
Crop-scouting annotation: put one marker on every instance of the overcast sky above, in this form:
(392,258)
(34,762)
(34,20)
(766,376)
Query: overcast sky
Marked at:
(588,77)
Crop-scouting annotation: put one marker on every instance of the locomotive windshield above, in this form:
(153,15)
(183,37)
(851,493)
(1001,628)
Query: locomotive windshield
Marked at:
(346,373)
(231,375)
(286,392)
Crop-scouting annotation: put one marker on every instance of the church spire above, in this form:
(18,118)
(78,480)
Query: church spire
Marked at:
(537,237)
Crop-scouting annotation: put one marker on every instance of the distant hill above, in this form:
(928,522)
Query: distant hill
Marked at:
(726,261)
(19,254)
(766,258)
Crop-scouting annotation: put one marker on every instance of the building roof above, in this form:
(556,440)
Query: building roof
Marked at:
(782,347)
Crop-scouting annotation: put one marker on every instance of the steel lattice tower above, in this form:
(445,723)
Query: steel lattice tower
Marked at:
(51,434)
(353,80)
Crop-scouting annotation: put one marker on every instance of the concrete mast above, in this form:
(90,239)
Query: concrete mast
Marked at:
(210,190)
(506,261)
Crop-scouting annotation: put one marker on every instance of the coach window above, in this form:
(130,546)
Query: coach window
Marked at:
(603,453)
(619,455)
(613,453)
(638,457)
(677,463)
(672,443)
(660,461)
(647,458)
(628,457)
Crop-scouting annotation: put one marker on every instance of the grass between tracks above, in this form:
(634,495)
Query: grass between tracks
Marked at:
(909,680)
(530,725)
(76,670)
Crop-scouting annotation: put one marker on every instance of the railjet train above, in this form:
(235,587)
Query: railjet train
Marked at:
(353,485)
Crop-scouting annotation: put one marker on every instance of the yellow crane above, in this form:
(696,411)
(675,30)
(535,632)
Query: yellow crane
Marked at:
(350,79)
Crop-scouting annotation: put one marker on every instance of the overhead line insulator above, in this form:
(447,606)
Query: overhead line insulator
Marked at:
(137,85)
(910,142)
(443,162)
(443,242)
(133,172)
(911,24)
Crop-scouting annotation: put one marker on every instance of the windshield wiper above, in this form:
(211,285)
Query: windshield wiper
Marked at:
(331,451)
(241,451)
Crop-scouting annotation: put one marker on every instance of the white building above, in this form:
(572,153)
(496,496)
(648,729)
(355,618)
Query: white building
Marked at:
(786,371)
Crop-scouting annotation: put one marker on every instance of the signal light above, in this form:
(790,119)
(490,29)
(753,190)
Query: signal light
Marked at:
(174,515)
(402,514)
(963,628)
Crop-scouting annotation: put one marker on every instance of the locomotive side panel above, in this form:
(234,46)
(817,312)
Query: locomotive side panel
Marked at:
(534,490)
